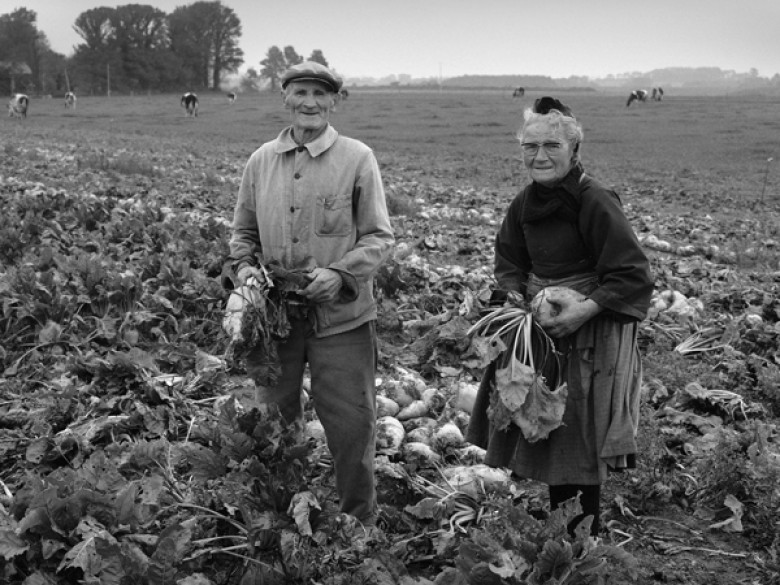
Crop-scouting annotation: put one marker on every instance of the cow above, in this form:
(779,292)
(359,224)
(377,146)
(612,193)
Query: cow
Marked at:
(70,100)
(519,92)
(17,106)
(638,95)
(658,94)
(231,96)
(189,101)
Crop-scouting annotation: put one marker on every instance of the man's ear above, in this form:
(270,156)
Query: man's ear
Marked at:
(283,94)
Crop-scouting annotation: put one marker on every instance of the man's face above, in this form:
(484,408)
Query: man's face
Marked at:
(310,104)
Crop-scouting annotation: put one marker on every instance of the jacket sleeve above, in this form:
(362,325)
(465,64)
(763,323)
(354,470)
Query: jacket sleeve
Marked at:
(512,262)
(374,235)
(245,247)
(625,280)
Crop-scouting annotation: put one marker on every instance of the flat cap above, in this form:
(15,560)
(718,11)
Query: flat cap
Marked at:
(312,71)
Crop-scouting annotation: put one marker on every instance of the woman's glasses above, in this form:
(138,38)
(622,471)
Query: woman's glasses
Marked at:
(549,147)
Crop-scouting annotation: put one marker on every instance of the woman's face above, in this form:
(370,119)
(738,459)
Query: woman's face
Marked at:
(310,104)
(546,153)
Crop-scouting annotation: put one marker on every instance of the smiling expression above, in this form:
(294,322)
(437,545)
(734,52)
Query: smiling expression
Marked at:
(310,104)
(545,167)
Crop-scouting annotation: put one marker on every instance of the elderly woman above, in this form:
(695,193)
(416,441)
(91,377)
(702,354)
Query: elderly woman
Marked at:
(567,230)
(312,200)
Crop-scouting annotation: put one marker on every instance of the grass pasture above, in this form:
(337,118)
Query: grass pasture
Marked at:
(116,223)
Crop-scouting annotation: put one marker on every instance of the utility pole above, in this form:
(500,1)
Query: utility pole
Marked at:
(108,79)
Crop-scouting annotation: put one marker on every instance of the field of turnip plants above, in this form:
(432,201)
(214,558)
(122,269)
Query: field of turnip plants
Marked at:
(132,445)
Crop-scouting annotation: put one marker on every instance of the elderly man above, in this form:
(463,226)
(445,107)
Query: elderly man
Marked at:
(312,199)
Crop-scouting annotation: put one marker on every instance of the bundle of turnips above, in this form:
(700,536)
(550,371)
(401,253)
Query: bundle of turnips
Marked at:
(529,386)
(257,317)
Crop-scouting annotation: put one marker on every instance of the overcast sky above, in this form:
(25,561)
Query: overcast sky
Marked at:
(429,38)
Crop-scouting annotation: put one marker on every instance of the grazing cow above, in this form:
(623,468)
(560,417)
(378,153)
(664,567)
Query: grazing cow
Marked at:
(17,106)
(189,101)
(231,96)
(70,100)
(519,92)
(344,93)
(638,95)
(658,94)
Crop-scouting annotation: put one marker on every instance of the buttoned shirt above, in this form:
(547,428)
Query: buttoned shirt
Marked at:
(321,204)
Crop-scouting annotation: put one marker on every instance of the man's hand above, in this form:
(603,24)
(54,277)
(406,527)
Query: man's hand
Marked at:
(572,313)
(324,287)
(246,273)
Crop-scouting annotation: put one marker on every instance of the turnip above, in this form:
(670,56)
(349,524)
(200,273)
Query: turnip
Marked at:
(419,453)
(478,480)
(551,301)
(466,396)
(446,436)
(416,409)
(386,406)
(389,435)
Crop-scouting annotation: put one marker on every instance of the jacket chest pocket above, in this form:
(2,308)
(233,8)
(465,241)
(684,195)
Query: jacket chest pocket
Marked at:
(334,215)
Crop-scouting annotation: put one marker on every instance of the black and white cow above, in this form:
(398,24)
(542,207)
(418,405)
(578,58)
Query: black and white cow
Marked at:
(70,100)
(658,94)
(17,106)
(189,101)
(231,96)
(519,92)
(638,95)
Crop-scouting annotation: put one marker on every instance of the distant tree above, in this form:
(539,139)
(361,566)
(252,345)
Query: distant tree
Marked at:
(273,66)
(277,62)
(291,56)
(227,56)
(20,47)
(141,37)
(318,57)
(94,26)
(204,37)
(250,80)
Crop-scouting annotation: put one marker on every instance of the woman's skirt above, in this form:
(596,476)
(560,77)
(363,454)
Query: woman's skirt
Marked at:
(603,372)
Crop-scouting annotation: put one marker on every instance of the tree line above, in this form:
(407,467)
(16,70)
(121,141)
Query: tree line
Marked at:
(136,48)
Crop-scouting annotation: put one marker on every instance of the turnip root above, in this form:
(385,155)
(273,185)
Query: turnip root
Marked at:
(551,301)
(467,395)
(419,453)
(448,435)
(416,409)
(389,435)
(471,454)
(434,399)
(420,435)
(235,311)
(315,430)
(386,406)
(405,390)
(478,480)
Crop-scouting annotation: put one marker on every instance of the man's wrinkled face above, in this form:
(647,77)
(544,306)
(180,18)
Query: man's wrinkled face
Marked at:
(310,104)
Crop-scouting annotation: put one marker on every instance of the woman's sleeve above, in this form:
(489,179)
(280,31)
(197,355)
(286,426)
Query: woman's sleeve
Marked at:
(625,280)
(512,263)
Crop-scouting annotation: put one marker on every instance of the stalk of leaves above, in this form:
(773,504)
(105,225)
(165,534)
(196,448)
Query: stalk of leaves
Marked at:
(531,391)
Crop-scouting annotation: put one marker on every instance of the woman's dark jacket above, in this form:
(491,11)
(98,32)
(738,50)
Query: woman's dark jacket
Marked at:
(576,227)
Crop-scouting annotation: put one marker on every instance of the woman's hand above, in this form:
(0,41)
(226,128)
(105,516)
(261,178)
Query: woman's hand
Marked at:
(324,287)
(572,314)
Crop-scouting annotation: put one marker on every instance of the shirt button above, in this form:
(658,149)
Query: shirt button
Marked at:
(297,175)
(295,240)
(301,148)
(292,209)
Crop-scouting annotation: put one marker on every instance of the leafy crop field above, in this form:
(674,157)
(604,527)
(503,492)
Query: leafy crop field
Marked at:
(134,450)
